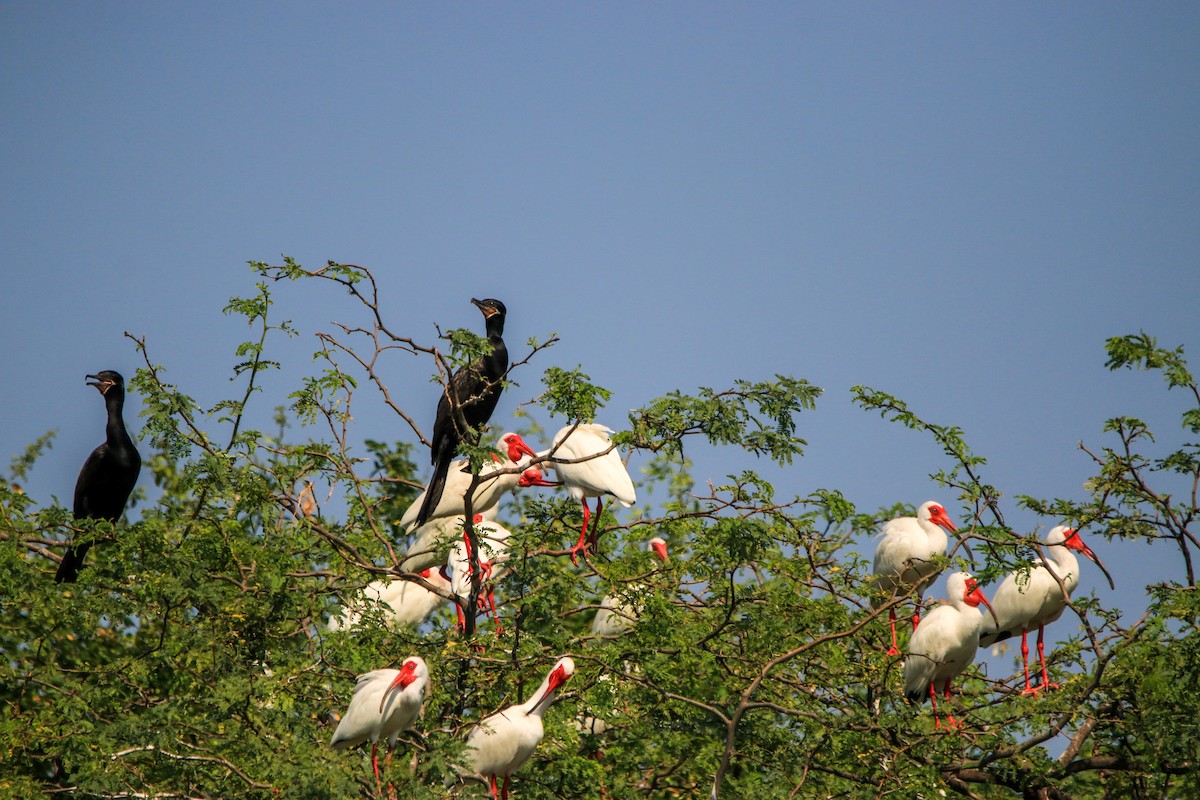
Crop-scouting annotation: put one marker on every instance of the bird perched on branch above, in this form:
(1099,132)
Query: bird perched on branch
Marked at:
(493,483)
(467,403)
(907,558)
(385,704)
(616,613)
(587,463)
(945,644)
(493,552)
(501,743)
(1034,598)
(108,475)
(404,603)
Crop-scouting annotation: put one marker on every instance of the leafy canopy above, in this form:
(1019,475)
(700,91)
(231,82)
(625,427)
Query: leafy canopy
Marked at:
(193,658)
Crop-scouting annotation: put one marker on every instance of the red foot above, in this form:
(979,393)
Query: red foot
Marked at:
(581,547)
(893,651)
(1031,690)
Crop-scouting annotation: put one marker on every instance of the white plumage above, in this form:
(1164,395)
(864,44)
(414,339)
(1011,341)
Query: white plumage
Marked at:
(404,602)
(385,704)
(945,643)
(615,614)
(493,552)
(906,558)
(501,743)
(434,539)
(1033,599)
(589,474)
(494,483)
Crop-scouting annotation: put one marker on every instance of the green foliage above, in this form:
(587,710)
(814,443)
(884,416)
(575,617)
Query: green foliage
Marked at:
(571,394)
(1142,351)
(194,657)
(758,417)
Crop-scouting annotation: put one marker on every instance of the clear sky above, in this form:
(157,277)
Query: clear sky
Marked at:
(954,202)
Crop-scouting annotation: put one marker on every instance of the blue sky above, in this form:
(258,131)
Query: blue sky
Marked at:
(956,203)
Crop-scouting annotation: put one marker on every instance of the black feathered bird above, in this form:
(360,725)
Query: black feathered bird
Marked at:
(107,476)
(467,403)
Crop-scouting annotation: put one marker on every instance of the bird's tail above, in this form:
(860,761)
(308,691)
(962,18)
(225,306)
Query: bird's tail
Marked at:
(987,638)
(72,562)
(433,492)
(918,696)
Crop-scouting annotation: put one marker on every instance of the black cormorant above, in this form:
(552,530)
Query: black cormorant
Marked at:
(107,476)
(467,403)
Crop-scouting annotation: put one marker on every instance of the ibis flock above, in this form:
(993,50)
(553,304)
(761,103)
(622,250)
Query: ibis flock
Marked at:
(450,558)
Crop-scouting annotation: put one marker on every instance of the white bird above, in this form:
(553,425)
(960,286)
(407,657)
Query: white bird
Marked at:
(434,539)
(501,743)
(906,559)
(405,602)
(945,644)
(493,485)
(616,615)
(385,704)
(1033,598)
(493,551)
(575,457)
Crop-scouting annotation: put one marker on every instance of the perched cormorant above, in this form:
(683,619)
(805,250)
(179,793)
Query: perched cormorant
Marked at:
(107,476)
(467,403)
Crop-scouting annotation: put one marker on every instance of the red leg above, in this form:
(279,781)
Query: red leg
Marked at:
(582,543)
(933,699)
(387,765)
(504,792)
(1025,657)
(375,767)
(894,651)
(491,595)
(1046,684)
(495,793)
(595,537)
(950,720)
(467,543)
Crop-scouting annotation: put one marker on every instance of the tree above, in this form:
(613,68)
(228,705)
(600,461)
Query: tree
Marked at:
(192,659)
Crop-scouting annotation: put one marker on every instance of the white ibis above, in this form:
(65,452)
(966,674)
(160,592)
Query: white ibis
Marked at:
(493,551)
(589,466)
(945,644)
(405,602)
(501,743)
(616,615)
(906,559)
(1034,598)
(493,484)
(385,704)
(433,539)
